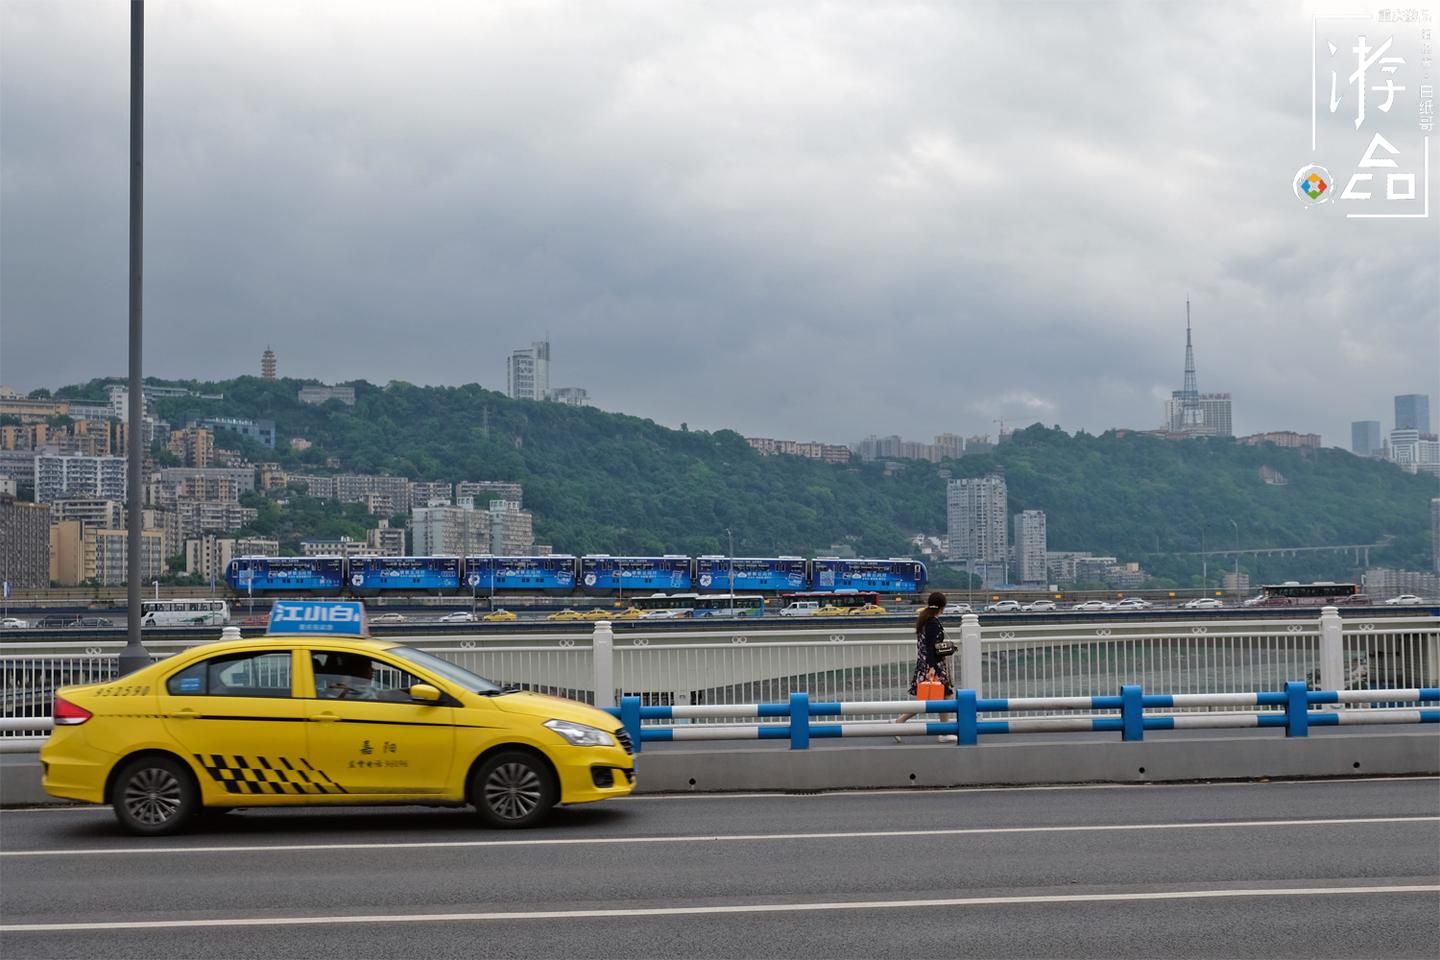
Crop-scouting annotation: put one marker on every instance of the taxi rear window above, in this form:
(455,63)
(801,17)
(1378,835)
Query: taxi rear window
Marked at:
(264,674)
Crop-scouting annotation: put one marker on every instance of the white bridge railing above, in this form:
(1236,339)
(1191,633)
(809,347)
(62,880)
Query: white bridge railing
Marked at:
(761,661)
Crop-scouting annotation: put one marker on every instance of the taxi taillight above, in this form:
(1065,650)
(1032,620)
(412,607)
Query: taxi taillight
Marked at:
(66,714)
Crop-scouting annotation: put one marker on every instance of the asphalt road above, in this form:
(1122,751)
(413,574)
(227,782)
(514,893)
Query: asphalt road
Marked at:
(1313,869)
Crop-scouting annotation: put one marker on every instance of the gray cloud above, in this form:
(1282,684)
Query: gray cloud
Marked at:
(804,220)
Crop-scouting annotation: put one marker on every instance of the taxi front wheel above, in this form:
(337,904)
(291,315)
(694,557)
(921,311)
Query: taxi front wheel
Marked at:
(154,796)
(512,789)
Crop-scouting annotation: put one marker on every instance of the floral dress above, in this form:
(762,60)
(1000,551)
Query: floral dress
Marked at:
(926,659)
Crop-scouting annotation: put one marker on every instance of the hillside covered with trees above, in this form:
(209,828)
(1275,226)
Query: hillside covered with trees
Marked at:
(603,482)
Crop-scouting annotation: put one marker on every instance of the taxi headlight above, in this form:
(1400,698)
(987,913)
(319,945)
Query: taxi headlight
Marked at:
(580,735)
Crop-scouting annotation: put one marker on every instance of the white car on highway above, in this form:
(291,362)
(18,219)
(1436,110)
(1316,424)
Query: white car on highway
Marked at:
(13,623)
(1004,606)
(1204,603)
(1405,600)
(801,608)
(1039,606)
(459,616)
(1088,606)
(957,608)
(1131,603)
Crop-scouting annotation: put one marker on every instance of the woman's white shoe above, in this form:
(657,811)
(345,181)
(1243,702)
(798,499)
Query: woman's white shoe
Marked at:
(948,738)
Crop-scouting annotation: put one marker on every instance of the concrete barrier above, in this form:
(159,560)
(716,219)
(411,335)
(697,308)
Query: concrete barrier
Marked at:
(761,768)
(1012,763)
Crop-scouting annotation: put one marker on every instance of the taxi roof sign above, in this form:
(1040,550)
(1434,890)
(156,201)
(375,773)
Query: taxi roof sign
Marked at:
(339,618)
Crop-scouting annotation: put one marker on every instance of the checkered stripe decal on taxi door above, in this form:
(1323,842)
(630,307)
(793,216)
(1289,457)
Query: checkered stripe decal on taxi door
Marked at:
(259,775)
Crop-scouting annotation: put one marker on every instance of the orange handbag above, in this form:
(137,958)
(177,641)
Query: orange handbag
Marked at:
(930,689)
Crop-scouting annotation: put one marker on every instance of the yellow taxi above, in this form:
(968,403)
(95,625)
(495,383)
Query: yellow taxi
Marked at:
(629,613)
(566,614)
(500,616)
(597,613)
(832,611)
(867,610)
(312,715)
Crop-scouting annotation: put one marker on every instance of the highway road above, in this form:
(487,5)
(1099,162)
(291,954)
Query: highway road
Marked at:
(1308,869)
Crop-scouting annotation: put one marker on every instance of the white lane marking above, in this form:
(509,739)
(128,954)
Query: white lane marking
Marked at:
(814,907)
(921,791)
(907,791)
(710,838)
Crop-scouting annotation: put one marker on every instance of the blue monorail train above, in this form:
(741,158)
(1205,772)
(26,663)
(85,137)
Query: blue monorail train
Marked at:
(593,574)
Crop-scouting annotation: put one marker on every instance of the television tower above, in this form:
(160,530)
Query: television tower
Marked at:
(1190,412)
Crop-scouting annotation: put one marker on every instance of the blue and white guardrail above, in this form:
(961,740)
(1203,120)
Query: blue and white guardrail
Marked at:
(1131,722)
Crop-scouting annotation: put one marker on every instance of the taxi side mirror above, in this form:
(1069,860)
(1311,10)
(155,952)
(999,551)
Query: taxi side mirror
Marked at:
(424,693)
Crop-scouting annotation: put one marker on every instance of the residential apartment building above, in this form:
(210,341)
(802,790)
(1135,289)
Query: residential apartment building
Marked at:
(1414,451)
(1412,412)
(24,543)
(209,555)
(504,529)
(1365,438)
(512,530)
(527,372)
(423,493)
(91,512)
(261,431)
(322,394)
(812,450)
(81,555)
(1030,559)
(354,488)
(485,490)
(195,446)
(1207,415)
(571,396)
(388,541)
(1283,438)
(59,476)
(1382,583)
(976,523)
(244,477)
(1435,533)
(335,547)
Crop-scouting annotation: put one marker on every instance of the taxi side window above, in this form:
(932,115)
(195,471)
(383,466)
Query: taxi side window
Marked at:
(236,675)
(353,676)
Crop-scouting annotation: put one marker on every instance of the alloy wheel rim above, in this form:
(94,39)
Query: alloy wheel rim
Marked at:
(153,796)
(512,790)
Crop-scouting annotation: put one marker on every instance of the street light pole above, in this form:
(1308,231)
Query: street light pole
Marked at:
(135,656)
(1237,558)
(731,565)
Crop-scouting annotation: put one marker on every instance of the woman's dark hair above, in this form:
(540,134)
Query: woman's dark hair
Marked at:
(933,605)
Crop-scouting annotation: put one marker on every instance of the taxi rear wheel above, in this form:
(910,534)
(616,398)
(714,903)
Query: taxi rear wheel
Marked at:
(154,796)
(512,789)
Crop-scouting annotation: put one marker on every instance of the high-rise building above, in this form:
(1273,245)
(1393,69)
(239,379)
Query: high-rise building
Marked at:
(1190,412)
(1412,412)
(976,521)
(58,476)
(527,373)
(1365,438)
(1414,451)
(504,529)
(105,555)
(210,555)
(24,543)
(1030,548)
(267,364)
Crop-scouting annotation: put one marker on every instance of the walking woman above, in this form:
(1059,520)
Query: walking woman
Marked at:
(930,662)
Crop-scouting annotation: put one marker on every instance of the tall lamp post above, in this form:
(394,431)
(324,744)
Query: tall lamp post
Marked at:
(731,565)
(134,656)
(1237,558)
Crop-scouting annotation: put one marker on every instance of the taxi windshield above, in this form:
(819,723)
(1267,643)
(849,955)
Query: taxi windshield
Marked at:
(450,671)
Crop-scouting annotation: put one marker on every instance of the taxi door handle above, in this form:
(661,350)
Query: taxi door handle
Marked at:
(185,713)
(325,717)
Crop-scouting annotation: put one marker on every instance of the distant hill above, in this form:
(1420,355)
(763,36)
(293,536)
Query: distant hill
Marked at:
(603,482)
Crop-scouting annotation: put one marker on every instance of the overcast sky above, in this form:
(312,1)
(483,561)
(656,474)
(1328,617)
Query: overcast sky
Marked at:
(803,220)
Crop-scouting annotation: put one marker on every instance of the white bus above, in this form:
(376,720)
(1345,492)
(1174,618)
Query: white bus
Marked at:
(184,613)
